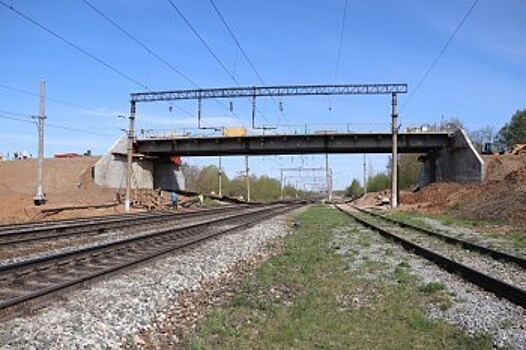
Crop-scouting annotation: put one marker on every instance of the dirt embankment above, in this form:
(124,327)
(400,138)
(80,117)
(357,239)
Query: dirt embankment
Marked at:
(67,182)
(501,197)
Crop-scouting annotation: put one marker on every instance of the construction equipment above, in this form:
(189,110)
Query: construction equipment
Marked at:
(494,147)
(519,148)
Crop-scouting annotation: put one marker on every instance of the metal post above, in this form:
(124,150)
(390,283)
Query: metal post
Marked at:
(199,112)
(220,178)
(364,175)
(330,184)
(247,173)
(282,186)
(40,197)
(327,177)
(394,160)
(131,131)
(254,111)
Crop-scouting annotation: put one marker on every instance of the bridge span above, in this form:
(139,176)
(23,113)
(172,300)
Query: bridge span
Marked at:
(317,143)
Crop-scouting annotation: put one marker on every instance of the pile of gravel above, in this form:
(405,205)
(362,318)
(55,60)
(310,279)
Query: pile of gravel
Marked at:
(111,312)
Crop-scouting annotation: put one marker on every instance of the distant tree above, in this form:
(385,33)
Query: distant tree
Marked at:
(515,131)
(265,188)
(208,180)
(409,171)
(378,182)
(191,174)
(480,136)
(354,189)
(236,187)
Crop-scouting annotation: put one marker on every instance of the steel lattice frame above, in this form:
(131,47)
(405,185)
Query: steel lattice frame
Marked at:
(263,91)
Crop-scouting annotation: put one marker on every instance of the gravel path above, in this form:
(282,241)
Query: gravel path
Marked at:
(111,312)
(471,308)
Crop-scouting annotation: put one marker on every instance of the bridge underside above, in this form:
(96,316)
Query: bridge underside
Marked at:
(294,144)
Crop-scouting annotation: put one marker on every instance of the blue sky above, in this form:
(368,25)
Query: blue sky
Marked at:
(481,78)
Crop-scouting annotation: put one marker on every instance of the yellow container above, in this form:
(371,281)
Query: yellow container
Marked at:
(234,131)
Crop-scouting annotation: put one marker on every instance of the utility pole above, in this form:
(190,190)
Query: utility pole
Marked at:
(40,197)
(247,173)
(220,178)
(394,160)
(364,175)
(282,186)
(131,131)
(328,177)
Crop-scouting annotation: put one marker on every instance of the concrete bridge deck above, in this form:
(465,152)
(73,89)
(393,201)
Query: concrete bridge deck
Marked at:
(319,143)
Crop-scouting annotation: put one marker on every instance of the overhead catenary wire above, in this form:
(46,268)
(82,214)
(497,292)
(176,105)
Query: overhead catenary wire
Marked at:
(149,50)
(243,52)
(339,51)
(340,44)
(206,45)
(440,54)
(140,43)
(81,49)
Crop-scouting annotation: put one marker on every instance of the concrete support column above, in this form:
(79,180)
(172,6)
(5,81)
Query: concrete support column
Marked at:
(131,132)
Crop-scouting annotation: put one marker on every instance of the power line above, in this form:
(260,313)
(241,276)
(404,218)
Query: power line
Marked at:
(140,43)
(205,44)
(82,50)
(75,46)
(238,44)
(340,45)
(51,125)
(149,50)
(62,102)
(441,53)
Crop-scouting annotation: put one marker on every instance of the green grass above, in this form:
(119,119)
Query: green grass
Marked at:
(306,298)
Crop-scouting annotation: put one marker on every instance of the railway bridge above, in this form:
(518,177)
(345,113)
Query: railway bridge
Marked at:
(447,156)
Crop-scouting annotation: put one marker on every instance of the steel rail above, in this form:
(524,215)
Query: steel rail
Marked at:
(9,268)
(500,288)
(36,224)
(92,271)
(83,227)
(452,240)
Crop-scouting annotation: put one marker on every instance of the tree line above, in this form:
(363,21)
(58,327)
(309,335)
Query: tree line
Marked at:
(262,188)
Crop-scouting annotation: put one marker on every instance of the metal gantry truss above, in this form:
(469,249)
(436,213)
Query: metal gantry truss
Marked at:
(267,91)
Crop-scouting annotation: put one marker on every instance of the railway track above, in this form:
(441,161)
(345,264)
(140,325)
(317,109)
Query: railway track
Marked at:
(497,272)
(95,225)
(27,284)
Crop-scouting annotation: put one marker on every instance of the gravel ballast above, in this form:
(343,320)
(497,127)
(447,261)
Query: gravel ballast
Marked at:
(471,308)
(112,312)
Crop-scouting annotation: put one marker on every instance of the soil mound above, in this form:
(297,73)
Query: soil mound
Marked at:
(502,196)
(67,182)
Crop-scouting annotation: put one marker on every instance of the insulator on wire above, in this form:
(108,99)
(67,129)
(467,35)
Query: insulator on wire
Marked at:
(231,106)
(170,109)
(280,106)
